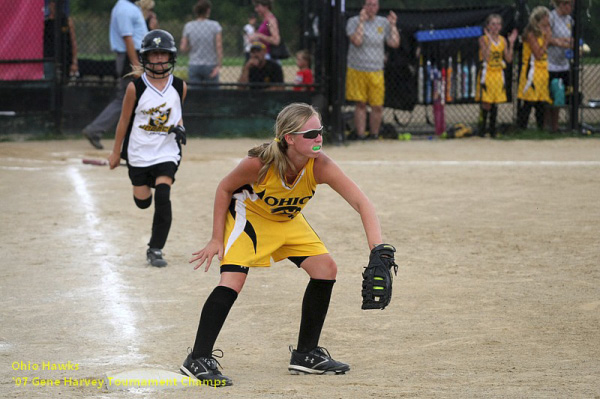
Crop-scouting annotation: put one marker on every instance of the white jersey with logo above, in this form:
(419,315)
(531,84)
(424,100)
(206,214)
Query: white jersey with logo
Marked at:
(155,113)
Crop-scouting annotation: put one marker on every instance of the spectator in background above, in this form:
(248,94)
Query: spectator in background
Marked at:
(249,30)
(533,91)
(68,43)
(365,84)
(203,39)
(304,74)
(259,69)
(561,40)
(268,31)
(150,17)
(126,31)
(494,49)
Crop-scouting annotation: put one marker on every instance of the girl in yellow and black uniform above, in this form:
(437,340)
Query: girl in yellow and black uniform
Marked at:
(257,216)
(533,89)
(491,87)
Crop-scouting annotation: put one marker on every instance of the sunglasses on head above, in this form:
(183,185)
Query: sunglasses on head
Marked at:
(310,134)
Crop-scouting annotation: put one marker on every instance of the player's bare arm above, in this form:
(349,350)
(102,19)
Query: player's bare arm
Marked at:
(128,104)
(537,50)
(328,172)
(484,46)
(245,173)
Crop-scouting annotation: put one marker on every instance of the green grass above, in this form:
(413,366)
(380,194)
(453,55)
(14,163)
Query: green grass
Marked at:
(534,134)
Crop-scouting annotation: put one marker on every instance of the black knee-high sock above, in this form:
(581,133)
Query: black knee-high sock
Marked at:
(162,216)
(539,114)
(483,113)
(314,309)
(523,113)
(215,311)
(493,117)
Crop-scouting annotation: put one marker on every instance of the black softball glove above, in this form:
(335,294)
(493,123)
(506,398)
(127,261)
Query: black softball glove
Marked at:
(378,278)
(179,134)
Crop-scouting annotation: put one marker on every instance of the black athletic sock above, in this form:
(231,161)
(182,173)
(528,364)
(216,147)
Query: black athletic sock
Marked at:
(493,117)
(215,311)
(540,108)
(523,113)
(314,309)
(162,216)
(482,121)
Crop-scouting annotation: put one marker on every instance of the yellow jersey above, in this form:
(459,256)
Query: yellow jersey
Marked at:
(275,199)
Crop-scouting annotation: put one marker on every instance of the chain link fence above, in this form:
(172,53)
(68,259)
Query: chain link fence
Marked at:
(434,83)
(97,61)
(457,74)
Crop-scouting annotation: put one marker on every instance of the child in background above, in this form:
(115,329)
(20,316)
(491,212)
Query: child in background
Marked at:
(150,133)
(249,30)
(533,83)
(304,74)
(491,86)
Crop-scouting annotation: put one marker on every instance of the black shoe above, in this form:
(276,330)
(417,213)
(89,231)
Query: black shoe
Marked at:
(205,369)
(154,257)
(94,140)
(317,361)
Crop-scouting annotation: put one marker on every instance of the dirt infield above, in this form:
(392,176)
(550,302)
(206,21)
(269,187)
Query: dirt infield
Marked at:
(498,293)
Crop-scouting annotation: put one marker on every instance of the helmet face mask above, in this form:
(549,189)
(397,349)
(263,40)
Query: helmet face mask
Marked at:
(158,40)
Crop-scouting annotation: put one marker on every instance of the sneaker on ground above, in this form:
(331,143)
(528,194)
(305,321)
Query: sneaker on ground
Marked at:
(205,369)
(94,140)
(154,257)
(317,361)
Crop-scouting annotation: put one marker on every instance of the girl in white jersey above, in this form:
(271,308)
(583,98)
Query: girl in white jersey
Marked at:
(150,133)
(257,216)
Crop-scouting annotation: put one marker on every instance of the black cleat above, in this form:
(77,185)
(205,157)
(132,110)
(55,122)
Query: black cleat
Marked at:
(206,370)
(317,361)
(154,257)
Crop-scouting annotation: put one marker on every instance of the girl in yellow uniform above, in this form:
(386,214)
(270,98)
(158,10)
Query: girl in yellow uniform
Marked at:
(533,82)
(257,216)
(491,87)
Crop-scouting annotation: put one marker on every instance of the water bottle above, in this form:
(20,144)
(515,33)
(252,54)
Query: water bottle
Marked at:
(429,79)
(557,89)
(465,81)
(420,88)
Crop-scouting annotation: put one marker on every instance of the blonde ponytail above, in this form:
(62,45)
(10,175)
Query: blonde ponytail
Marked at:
(137,71)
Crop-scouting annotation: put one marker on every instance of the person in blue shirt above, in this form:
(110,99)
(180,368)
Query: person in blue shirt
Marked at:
(126,31)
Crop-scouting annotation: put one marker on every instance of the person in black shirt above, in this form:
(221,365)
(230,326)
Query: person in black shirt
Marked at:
(260,70)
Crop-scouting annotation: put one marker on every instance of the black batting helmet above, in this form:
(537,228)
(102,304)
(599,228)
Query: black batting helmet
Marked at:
(158,40)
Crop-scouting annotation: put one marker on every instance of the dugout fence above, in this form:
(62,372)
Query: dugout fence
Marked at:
(437,59)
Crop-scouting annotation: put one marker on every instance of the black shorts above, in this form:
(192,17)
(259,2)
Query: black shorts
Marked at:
(146,176)
(566,78)
(564,75)
(297,260)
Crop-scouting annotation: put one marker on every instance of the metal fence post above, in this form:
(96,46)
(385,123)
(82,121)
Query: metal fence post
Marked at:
(337,72)
(57,98)
(575,100)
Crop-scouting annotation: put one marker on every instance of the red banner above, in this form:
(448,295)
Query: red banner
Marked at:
(22,33)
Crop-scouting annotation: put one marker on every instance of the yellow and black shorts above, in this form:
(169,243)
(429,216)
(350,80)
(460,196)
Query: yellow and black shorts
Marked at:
(252,240)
